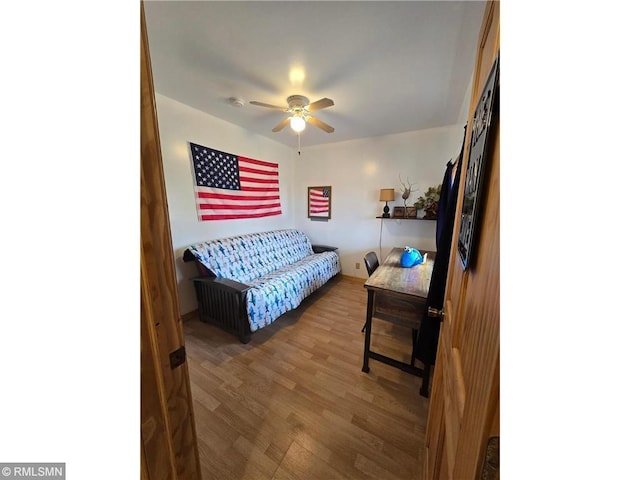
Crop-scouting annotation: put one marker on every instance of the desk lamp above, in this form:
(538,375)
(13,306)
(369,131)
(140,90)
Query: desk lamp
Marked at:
(387,195)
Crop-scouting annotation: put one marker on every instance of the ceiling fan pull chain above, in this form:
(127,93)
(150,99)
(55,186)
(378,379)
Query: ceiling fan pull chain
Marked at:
(298,143)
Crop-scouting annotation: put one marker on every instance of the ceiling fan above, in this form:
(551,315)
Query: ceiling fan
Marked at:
(299,108)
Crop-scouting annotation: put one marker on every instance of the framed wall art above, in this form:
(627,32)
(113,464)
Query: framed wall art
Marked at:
(319,202)
(405,212)
(481,145)
(398,212)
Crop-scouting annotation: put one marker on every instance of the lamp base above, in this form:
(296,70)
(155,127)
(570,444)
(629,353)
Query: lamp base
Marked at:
(385,210)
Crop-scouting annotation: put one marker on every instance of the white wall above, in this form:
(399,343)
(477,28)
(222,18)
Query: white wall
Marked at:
(356,170)
(464,108)
(179,124)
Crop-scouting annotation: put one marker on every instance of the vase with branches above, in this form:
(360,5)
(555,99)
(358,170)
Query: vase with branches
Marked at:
(407,190)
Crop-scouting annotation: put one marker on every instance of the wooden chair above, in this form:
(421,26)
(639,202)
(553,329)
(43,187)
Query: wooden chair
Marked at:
(395,310)
(371,262)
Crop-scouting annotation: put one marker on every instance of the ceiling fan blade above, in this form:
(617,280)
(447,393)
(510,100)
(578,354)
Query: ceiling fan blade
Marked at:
(318,104)
(260,104)
(320,124)
(281,125)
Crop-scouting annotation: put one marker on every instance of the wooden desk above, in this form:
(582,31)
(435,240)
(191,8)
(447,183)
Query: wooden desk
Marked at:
(408,284)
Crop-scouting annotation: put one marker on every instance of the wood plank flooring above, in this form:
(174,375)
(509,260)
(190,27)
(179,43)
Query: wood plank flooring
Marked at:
(293,404)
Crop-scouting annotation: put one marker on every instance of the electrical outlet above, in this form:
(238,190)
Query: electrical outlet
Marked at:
(357,265)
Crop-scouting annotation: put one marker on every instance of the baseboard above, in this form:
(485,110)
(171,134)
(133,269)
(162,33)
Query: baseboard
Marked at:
(356,279)
(193,315)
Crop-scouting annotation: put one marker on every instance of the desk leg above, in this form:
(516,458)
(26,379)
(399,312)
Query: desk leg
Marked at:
(367,331)
(424,388)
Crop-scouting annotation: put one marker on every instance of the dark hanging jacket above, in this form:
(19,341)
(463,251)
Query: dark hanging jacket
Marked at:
(427,344)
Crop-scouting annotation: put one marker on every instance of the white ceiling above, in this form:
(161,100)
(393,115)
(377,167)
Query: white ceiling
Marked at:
(390,67)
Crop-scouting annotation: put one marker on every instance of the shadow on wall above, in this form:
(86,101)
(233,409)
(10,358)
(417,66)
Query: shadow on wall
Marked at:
(185,272)
(402,232)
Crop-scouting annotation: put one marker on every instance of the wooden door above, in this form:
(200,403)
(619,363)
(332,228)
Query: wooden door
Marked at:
(168,447)
(464,414)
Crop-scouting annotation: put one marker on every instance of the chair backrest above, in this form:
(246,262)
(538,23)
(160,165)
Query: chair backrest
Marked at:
(371,262)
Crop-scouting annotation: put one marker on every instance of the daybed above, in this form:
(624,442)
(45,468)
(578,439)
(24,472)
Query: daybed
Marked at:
(248,281)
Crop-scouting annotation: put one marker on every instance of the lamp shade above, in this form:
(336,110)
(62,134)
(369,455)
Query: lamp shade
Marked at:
(387,194)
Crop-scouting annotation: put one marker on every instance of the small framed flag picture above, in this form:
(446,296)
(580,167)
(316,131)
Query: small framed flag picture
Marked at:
(319,202)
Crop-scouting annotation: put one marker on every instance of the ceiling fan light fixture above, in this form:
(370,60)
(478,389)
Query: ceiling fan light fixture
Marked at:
(297,124)
(299,108)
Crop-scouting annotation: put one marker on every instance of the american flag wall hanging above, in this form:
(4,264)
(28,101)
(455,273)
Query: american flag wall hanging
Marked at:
(228,186)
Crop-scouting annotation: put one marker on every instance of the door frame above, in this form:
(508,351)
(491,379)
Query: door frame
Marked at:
(168,444)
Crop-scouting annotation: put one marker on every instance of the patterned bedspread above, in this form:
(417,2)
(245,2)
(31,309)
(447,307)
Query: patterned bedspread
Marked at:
(279,266)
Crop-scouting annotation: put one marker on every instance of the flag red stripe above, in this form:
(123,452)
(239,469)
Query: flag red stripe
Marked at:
(257,180)
(226,196)
(241,215)
(207,206)
(258,162)
(257,171)
(260,189)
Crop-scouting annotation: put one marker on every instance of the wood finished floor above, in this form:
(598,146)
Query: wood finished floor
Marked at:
(293,404)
